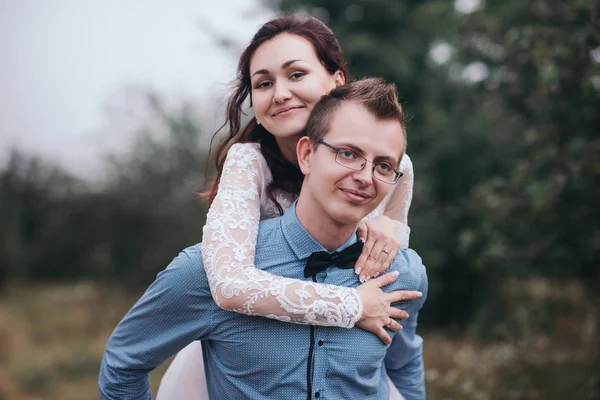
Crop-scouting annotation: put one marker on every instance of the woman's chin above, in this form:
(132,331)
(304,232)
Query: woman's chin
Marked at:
(289,129)
(291,133)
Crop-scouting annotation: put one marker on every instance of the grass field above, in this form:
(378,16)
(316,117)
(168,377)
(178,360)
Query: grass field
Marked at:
(52,339)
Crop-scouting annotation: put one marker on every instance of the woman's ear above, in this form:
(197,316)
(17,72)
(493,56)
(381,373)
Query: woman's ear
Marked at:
(339,77)
(304,150)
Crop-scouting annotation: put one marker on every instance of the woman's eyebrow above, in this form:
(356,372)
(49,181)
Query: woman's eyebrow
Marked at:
(283,66)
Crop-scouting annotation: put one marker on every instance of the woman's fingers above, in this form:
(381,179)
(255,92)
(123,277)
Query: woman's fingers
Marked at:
(400,295)
(396,313)
(393,326)
(387,255)
(383,335)
(370,266)
(364,260)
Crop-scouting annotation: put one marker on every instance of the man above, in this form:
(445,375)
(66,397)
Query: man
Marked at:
(355,141)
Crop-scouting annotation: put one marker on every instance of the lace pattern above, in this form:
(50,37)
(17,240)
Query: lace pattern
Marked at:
(230,240)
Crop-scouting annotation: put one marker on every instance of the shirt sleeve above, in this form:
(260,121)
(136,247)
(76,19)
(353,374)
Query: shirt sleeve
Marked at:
(151,331)
(399,202)
(229,243)
(404,359)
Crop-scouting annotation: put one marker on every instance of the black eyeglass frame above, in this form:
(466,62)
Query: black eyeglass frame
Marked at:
(337,151)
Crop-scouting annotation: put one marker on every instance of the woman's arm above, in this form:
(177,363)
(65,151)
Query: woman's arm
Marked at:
(228,253)
(399,203)
(386,234)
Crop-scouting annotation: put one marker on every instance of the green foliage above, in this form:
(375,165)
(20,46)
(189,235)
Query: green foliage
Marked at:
(503,105)
(55,227)
(503,135)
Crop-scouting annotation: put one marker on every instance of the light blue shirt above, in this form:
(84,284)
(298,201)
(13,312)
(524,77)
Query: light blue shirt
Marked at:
(258,358)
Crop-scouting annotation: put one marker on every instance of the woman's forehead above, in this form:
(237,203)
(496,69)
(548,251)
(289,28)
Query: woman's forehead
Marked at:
(272,54)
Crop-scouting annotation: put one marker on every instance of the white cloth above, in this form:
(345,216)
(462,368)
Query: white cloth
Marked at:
(228,253)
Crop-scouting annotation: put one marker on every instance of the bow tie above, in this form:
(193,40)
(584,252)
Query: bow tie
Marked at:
(320,260)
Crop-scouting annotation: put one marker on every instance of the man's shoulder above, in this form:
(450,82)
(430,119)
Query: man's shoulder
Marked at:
(412,272)
(188,263)
(191,255)
(269,230)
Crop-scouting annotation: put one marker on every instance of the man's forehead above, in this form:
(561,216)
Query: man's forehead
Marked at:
(353,125)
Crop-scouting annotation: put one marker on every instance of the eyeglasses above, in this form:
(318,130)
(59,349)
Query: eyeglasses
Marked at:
(383,171)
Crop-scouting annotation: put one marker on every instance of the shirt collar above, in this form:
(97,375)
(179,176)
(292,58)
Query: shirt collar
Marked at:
(300,241)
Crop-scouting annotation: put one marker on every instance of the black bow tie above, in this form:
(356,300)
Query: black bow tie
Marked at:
(320,260)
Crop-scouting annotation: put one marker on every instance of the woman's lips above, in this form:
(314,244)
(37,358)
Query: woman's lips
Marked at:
(286,111)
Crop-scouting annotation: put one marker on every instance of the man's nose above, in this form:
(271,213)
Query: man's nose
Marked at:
(282,93)
(364,175)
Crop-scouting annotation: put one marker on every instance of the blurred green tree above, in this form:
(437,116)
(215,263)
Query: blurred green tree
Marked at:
(503,99)
(56,227)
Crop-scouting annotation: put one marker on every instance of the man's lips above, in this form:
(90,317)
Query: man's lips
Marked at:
(357,196)
(285,109)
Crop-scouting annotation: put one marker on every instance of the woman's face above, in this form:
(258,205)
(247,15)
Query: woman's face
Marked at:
(287,80)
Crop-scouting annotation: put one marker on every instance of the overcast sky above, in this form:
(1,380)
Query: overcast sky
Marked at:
(63,62)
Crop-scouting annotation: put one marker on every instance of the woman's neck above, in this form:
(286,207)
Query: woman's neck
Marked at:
(287,146)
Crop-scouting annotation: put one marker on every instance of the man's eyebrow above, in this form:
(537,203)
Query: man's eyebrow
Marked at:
(283,66)
(358,150)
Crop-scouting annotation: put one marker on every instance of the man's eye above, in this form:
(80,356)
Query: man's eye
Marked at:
(347,154)
(385,168)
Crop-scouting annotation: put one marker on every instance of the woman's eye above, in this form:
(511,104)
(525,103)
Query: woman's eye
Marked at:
(262,85)
(297,75)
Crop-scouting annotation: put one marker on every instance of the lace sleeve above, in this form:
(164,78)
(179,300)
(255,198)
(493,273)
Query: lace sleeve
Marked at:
(228,254)
(399,202)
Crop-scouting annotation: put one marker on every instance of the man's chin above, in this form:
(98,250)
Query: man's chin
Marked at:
(349,218)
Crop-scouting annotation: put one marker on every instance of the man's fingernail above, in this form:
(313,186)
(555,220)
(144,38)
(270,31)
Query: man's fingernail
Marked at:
(358,271)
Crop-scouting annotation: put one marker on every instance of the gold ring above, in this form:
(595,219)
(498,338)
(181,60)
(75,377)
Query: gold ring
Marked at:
(385,251)
(389,323)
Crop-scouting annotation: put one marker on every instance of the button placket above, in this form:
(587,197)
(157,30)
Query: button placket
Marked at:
(320,362)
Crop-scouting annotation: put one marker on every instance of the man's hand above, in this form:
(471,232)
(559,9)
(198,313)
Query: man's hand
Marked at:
(378,314)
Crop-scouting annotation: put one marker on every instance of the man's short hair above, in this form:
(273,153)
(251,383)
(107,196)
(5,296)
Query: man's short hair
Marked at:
(377,96)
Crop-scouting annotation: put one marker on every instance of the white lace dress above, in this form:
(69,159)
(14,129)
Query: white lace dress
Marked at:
(228,254)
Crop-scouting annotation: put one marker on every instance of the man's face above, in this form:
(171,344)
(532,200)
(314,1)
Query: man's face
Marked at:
(336,192)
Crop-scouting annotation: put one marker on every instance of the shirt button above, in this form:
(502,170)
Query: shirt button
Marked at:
(320,344)
(317,395)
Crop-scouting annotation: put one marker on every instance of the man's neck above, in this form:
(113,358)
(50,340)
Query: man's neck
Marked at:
(329,233)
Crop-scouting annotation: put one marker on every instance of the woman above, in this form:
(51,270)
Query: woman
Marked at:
(290,63)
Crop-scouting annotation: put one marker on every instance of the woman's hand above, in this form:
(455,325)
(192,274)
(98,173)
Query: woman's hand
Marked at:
(381,246)
(378,313)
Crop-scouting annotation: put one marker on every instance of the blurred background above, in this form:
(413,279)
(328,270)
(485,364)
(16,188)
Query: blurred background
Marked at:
(106,114)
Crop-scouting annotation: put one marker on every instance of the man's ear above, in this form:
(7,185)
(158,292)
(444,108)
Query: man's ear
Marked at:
(304,150)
